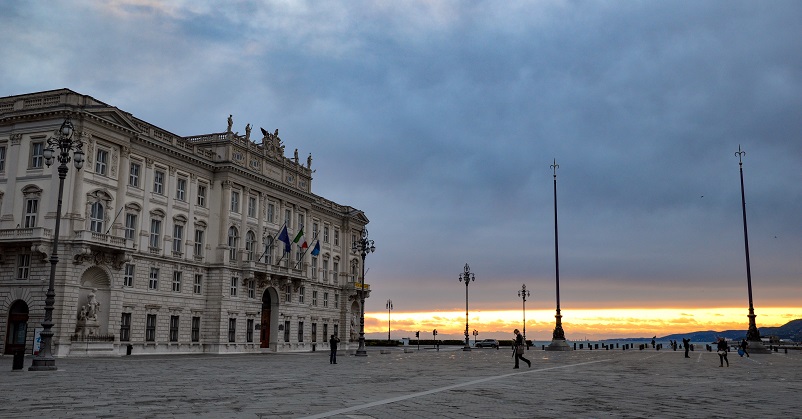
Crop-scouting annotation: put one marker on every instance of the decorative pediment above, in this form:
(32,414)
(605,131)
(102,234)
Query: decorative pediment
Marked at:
(115,116)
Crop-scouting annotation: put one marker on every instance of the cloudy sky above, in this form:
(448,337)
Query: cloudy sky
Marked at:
(440,119)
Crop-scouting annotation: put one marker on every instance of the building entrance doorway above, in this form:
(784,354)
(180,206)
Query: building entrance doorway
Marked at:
(264,328)
(17,329)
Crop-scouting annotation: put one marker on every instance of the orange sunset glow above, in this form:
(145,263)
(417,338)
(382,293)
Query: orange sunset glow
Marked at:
(579,324)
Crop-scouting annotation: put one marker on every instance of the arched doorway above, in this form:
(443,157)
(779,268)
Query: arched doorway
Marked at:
(264,328)
(17,329)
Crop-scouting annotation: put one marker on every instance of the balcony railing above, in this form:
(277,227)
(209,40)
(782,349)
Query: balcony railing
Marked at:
(35,233)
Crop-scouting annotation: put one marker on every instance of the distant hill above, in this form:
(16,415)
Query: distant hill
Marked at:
(791,331)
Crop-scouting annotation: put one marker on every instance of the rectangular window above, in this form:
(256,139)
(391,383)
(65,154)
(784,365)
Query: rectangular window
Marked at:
(325,331)
(130,226)
(125,327)
(287,294)
(286,330)
(155,233)
(325,299)
(336,300)
(314,332)
(314,230)
(335,271)
(336,331)
(176,281)
(133,174)
(150,328)
(235,201)
(301,223)
(202,195)
(232,330)
(96,217)
(178,240)
(31,211)
(336,237)
(300,331)
(158,182)
(314,267)
(301,292)
(198,243)
(181,189)
(287,218)
(101,159)
(2,159)
(325,272)
(197,286)
(249,330)
(173,328)
(325,234)
(234,284)
(196,329)
(271,209)
(37,155)
(314,298)
(153,279)
(128,275)
(23,266)
(252,207)
(251,288)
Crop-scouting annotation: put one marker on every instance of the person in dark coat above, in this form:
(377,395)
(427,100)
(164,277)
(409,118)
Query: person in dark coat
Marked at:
(333,341)
(686,343)
(744,345)
(518,349)
(721,347)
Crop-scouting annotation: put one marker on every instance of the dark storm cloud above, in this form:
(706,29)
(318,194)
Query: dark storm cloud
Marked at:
(440,120)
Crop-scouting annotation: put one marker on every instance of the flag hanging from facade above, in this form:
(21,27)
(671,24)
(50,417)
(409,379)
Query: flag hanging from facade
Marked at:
(316,249)
(284,237)
(299,235)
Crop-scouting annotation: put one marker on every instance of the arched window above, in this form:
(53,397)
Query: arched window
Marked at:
(96,217)
(233,243)
(250,244)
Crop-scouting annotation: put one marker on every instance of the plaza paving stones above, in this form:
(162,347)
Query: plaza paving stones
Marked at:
(422,384)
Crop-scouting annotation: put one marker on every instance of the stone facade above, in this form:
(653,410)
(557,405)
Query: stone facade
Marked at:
(167,244)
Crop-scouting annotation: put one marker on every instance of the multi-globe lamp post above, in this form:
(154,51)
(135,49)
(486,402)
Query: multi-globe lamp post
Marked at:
(523,293)
(558,342)
(59,147)
(362,246)
(389,307)
(467,276)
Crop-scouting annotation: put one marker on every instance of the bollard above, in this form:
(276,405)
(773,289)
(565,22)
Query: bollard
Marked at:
(19,360)
(786,350)
(581,345)
(616,345)
(574,345)
(597,346)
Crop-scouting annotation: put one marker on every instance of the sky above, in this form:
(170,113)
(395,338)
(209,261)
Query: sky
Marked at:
(441,121)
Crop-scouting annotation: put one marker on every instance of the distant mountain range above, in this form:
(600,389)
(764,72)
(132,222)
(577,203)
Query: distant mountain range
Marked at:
(790,331)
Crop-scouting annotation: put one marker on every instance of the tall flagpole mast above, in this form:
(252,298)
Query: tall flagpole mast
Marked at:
(558,342)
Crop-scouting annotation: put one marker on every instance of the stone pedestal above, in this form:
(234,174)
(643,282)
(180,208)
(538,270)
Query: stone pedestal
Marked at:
(757,347)
(87,327)
(558,345)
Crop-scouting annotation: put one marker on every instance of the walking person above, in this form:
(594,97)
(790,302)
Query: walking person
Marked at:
(686,343)
(333,341)
(518,349)
(721,347)
(743,346)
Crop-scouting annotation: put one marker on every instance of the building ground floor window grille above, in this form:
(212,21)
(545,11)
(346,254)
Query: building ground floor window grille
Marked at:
(232,330)
(300,331)
(249,331)
(150,328)
(174,328)
(196,329)
(125,327)
(286,331)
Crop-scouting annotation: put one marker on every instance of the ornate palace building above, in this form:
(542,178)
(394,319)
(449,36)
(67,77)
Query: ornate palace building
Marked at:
(167,244)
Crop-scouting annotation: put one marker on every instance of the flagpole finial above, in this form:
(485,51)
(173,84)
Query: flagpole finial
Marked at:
(554,166)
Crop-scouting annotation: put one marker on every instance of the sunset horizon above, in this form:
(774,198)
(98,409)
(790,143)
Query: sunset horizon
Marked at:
(579,324)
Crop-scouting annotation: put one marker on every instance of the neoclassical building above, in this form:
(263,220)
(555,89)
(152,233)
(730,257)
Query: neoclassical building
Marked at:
(168,243)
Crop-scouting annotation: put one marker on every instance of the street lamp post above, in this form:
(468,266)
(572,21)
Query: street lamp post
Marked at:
(362,246)
(475,334)
(752,334)
(523,293)
(58,146)
(467,276)
(389,309)
(558,342)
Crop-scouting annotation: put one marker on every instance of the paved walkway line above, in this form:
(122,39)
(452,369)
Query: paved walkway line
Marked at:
(441,389)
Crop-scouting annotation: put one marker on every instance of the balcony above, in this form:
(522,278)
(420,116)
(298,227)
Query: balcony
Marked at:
(103,240)
(13,235)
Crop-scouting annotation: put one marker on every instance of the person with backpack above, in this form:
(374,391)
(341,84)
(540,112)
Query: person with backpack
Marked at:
(518,349)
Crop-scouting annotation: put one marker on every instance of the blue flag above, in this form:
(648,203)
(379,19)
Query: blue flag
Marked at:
(284,237)
(316,250)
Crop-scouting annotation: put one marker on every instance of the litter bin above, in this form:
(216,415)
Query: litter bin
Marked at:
(129,349)
(313,347)
(19,360)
